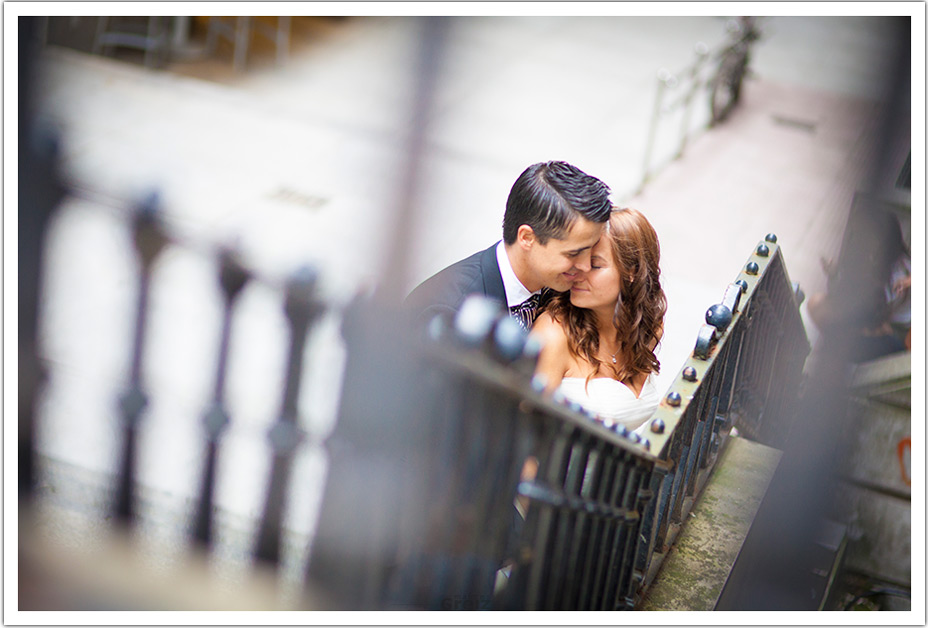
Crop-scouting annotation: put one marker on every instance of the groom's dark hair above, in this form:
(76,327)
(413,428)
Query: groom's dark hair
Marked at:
(549,196)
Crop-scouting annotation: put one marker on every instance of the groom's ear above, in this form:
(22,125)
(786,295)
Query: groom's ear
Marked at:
(525,237)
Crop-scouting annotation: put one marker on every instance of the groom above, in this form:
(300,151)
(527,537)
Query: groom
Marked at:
(554,215)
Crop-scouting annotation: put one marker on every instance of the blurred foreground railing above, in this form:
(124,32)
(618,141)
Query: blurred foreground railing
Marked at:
(83,573)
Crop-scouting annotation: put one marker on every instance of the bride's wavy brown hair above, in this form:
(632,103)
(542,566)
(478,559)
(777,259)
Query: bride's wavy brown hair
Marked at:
(639,309)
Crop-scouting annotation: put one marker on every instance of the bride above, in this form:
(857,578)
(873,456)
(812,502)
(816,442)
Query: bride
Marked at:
(599,338)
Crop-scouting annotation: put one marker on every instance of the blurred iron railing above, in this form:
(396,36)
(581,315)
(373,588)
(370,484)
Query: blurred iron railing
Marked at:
(116,574)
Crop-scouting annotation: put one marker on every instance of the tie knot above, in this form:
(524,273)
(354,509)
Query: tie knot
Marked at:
(524,313)
(532,301)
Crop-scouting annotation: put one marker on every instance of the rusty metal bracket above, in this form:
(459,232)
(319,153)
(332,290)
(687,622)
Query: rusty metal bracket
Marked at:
(704,340)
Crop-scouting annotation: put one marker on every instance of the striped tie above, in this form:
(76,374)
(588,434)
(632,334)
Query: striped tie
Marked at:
(525,311)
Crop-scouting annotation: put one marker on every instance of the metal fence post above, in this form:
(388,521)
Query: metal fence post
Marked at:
(664,79)
(40,192)
(232,278)
(149,239)
(702,53)
(302,308)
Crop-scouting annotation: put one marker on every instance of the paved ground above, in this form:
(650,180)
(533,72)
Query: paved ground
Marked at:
(303,164)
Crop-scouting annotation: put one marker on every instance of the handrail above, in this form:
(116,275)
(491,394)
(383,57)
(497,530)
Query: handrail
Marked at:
(744,372)
(762,285)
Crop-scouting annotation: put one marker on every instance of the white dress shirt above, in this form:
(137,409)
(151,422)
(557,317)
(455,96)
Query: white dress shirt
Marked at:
(516,293)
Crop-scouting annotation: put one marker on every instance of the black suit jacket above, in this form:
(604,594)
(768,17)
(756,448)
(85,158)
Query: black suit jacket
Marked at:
(445,291)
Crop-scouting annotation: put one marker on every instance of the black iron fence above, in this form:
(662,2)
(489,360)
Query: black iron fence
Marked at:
(745,372)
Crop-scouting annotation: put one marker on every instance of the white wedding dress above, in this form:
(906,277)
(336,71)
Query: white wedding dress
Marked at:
(613,400)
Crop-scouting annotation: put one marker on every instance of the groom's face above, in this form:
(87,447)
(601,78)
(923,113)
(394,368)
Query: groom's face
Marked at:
(558,263)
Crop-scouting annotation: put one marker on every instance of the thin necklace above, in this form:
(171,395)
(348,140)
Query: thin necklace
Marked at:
(614,353)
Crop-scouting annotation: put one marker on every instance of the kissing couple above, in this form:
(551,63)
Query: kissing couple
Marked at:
(581,275)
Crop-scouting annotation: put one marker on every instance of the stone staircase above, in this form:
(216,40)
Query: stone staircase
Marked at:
(696,569)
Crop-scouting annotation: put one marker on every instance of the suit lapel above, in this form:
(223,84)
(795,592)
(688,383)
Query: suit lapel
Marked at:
(492,279)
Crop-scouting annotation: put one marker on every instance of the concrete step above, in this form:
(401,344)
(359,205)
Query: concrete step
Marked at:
(697,567)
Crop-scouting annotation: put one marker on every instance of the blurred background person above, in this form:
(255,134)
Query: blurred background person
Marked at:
(875,282)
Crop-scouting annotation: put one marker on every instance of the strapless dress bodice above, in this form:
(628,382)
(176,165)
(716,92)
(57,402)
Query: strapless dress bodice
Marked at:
(613,400)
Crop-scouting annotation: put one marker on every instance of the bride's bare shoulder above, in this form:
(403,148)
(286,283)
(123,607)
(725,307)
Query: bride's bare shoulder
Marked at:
(554,359)
(549,330)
